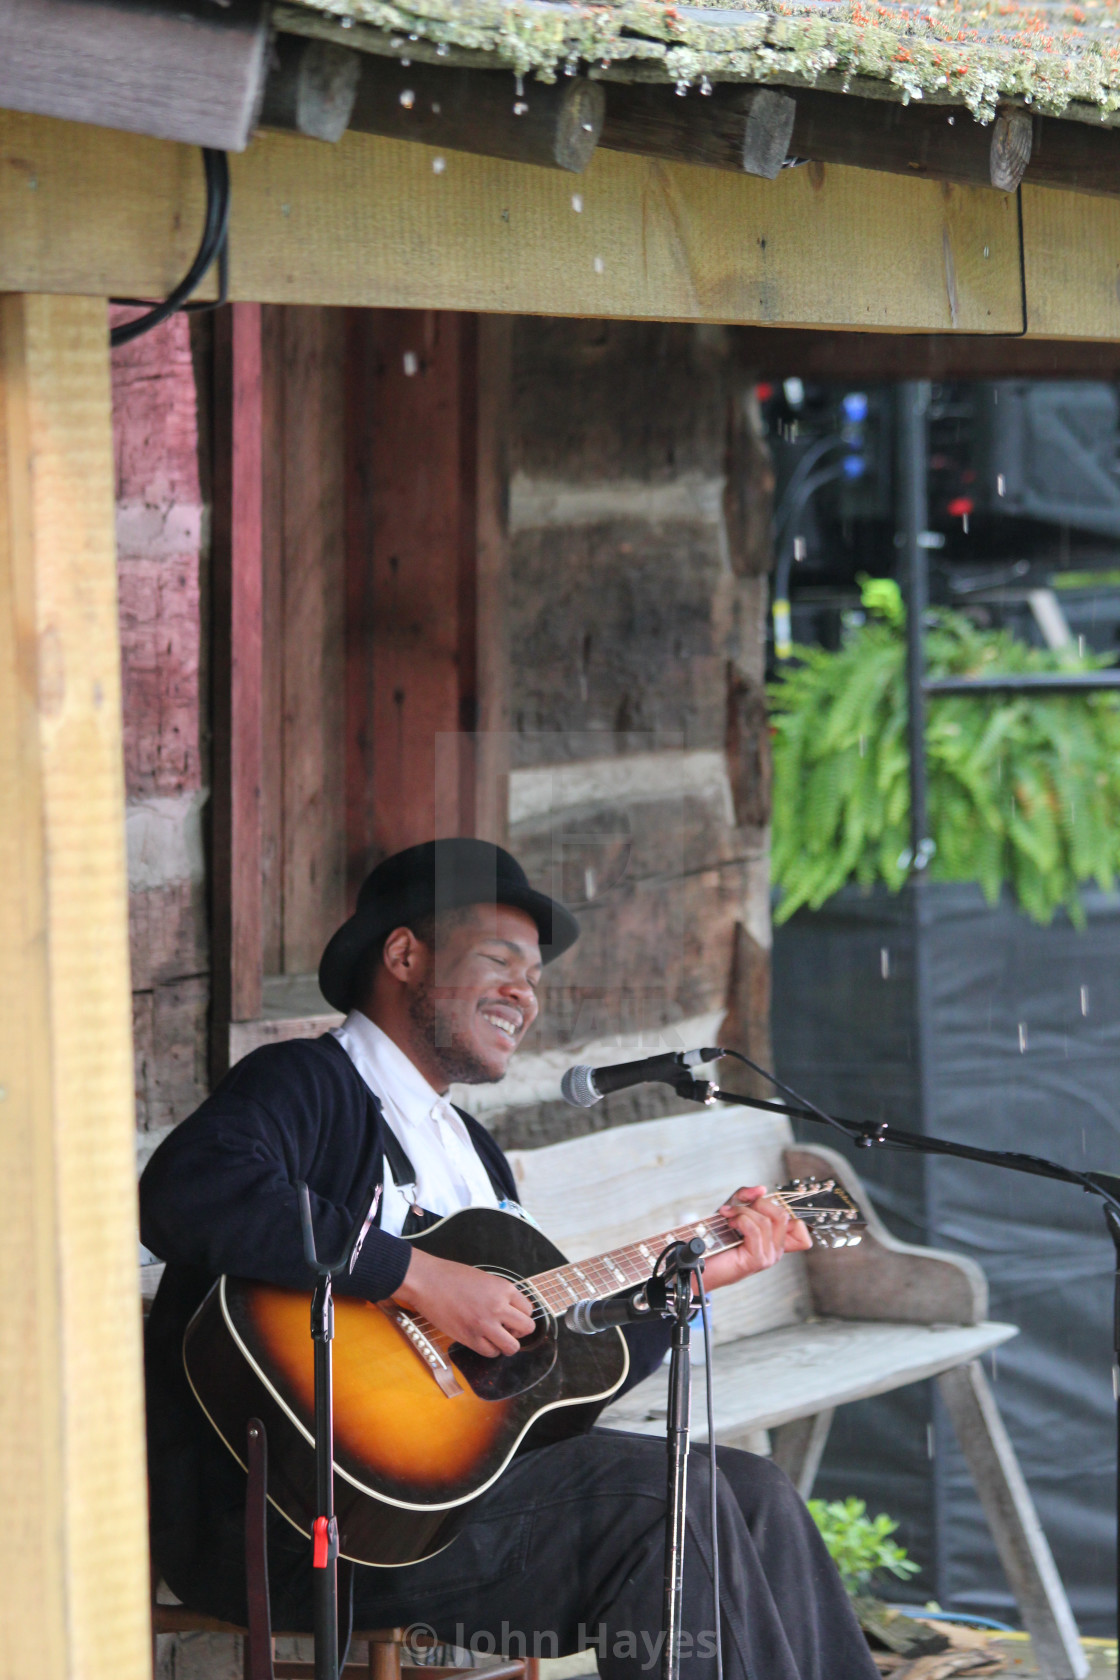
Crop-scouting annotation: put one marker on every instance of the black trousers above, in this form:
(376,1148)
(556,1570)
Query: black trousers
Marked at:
(566,1553)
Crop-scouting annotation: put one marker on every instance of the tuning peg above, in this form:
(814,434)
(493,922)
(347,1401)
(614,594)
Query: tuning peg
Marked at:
(854,1240)
(795,1184)
(837,1239)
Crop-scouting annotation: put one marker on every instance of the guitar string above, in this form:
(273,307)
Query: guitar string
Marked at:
(718,1226)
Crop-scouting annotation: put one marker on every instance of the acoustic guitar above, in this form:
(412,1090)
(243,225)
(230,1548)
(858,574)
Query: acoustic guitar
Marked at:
(423,1426)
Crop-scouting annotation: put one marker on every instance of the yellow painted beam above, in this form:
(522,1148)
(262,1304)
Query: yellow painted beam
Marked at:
(1071,243)
(73,1540)
(385,223)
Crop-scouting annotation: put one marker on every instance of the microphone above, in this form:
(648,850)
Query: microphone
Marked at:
(591,1318)
(584,1086)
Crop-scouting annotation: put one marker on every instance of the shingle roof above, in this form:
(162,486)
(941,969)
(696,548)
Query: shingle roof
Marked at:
(1058,57)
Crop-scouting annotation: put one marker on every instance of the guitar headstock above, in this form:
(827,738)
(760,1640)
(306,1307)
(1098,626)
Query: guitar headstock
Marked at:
(833,1218)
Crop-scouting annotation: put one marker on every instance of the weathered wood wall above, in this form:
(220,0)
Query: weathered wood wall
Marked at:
(639,499)
(629,593)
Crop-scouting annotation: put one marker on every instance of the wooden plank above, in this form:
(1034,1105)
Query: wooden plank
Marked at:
(371,222)
(313,635)
(1070,245)
(1022,1546)
(416,446)
(73,1552)
(490,768)
(763,1381)
(190,72)
(236,936)
(272,619)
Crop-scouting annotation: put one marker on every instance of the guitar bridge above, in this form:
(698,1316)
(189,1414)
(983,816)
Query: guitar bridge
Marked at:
(440,1367)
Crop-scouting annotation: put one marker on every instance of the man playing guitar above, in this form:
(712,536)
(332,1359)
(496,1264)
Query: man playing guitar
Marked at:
(438,973)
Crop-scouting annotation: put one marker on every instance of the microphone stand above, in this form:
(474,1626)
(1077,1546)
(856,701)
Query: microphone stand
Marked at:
(324,1532)
(669,1292)
(866,1134)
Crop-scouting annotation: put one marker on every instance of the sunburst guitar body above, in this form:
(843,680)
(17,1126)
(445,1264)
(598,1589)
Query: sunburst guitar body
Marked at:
(424,1426)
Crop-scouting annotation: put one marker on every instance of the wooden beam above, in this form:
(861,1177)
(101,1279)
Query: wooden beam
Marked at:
(371,222)
(236,931)
(1070,244)
(489,112)
(73,1551)
(311,88)
(745,129)
(188,71)
(775,352)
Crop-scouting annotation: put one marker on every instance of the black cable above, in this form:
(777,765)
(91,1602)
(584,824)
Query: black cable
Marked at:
(713,1498)
(214,245)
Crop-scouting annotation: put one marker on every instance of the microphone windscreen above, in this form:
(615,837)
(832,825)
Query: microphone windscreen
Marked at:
(578,1087)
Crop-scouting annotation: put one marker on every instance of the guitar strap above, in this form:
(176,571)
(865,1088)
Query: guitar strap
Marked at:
(404,1177)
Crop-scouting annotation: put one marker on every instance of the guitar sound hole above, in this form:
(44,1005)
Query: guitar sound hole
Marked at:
(507,1374)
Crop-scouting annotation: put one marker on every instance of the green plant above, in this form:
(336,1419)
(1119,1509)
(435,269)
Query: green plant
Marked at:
(860,1546)
(1023,789)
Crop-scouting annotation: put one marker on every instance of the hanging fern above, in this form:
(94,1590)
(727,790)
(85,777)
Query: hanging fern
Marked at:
(1023,789)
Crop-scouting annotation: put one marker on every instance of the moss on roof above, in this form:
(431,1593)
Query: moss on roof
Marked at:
(1062,58)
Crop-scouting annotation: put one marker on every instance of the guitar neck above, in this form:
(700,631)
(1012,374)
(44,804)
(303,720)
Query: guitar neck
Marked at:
(622,1268)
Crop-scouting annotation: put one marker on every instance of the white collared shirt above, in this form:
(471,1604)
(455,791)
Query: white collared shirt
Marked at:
(449,1173)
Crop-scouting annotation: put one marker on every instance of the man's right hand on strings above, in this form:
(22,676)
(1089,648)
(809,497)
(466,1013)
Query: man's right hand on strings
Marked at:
(487,1313)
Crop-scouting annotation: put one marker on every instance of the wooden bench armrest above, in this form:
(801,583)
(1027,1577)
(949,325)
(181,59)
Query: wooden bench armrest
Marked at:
(884,1278)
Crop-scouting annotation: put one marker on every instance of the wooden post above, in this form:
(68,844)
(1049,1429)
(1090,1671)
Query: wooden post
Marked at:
(236,938)
(73,1545)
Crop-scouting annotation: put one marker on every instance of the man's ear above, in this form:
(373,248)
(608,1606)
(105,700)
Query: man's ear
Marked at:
(402,954)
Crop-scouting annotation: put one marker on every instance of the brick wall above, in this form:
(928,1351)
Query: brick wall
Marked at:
(161,538)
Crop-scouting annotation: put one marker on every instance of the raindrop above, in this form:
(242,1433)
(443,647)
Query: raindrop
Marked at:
(519,107)
(930,1446)
(436,107)
(577,202)
(571,66)
(588,128)
(411,364)
(682,89)
(952,120)
(705,86)
(884,962)
(405,63)
(1001,485)
(439,164)
(599,265)
(964,523)
(1084,1000)
(347,23)
(414,37)
(1080,647)
(1022,1038)
(396,43)
(408,98)
(519,85)
(442,50)
(863,746)
(589,883)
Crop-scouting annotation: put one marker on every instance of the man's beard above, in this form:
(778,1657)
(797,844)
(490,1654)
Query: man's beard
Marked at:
(458,1061)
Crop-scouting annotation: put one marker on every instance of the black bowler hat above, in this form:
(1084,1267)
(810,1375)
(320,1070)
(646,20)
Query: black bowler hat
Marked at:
(439,875)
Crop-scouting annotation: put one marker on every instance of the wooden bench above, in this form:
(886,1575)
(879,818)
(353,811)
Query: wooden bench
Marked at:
(817,1331)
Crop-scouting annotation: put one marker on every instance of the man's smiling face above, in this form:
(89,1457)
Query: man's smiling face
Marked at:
(475,998)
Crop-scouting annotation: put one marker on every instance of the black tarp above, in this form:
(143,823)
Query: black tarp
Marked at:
(935,1011)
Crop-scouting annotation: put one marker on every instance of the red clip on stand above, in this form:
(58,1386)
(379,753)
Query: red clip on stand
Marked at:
(324,1531)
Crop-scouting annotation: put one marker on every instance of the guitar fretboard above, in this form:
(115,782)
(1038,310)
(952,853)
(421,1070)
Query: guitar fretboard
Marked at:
(622,1268)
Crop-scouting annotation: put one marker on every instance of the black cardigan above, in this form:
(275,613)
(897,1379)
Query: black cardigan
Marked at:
(219,1196)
